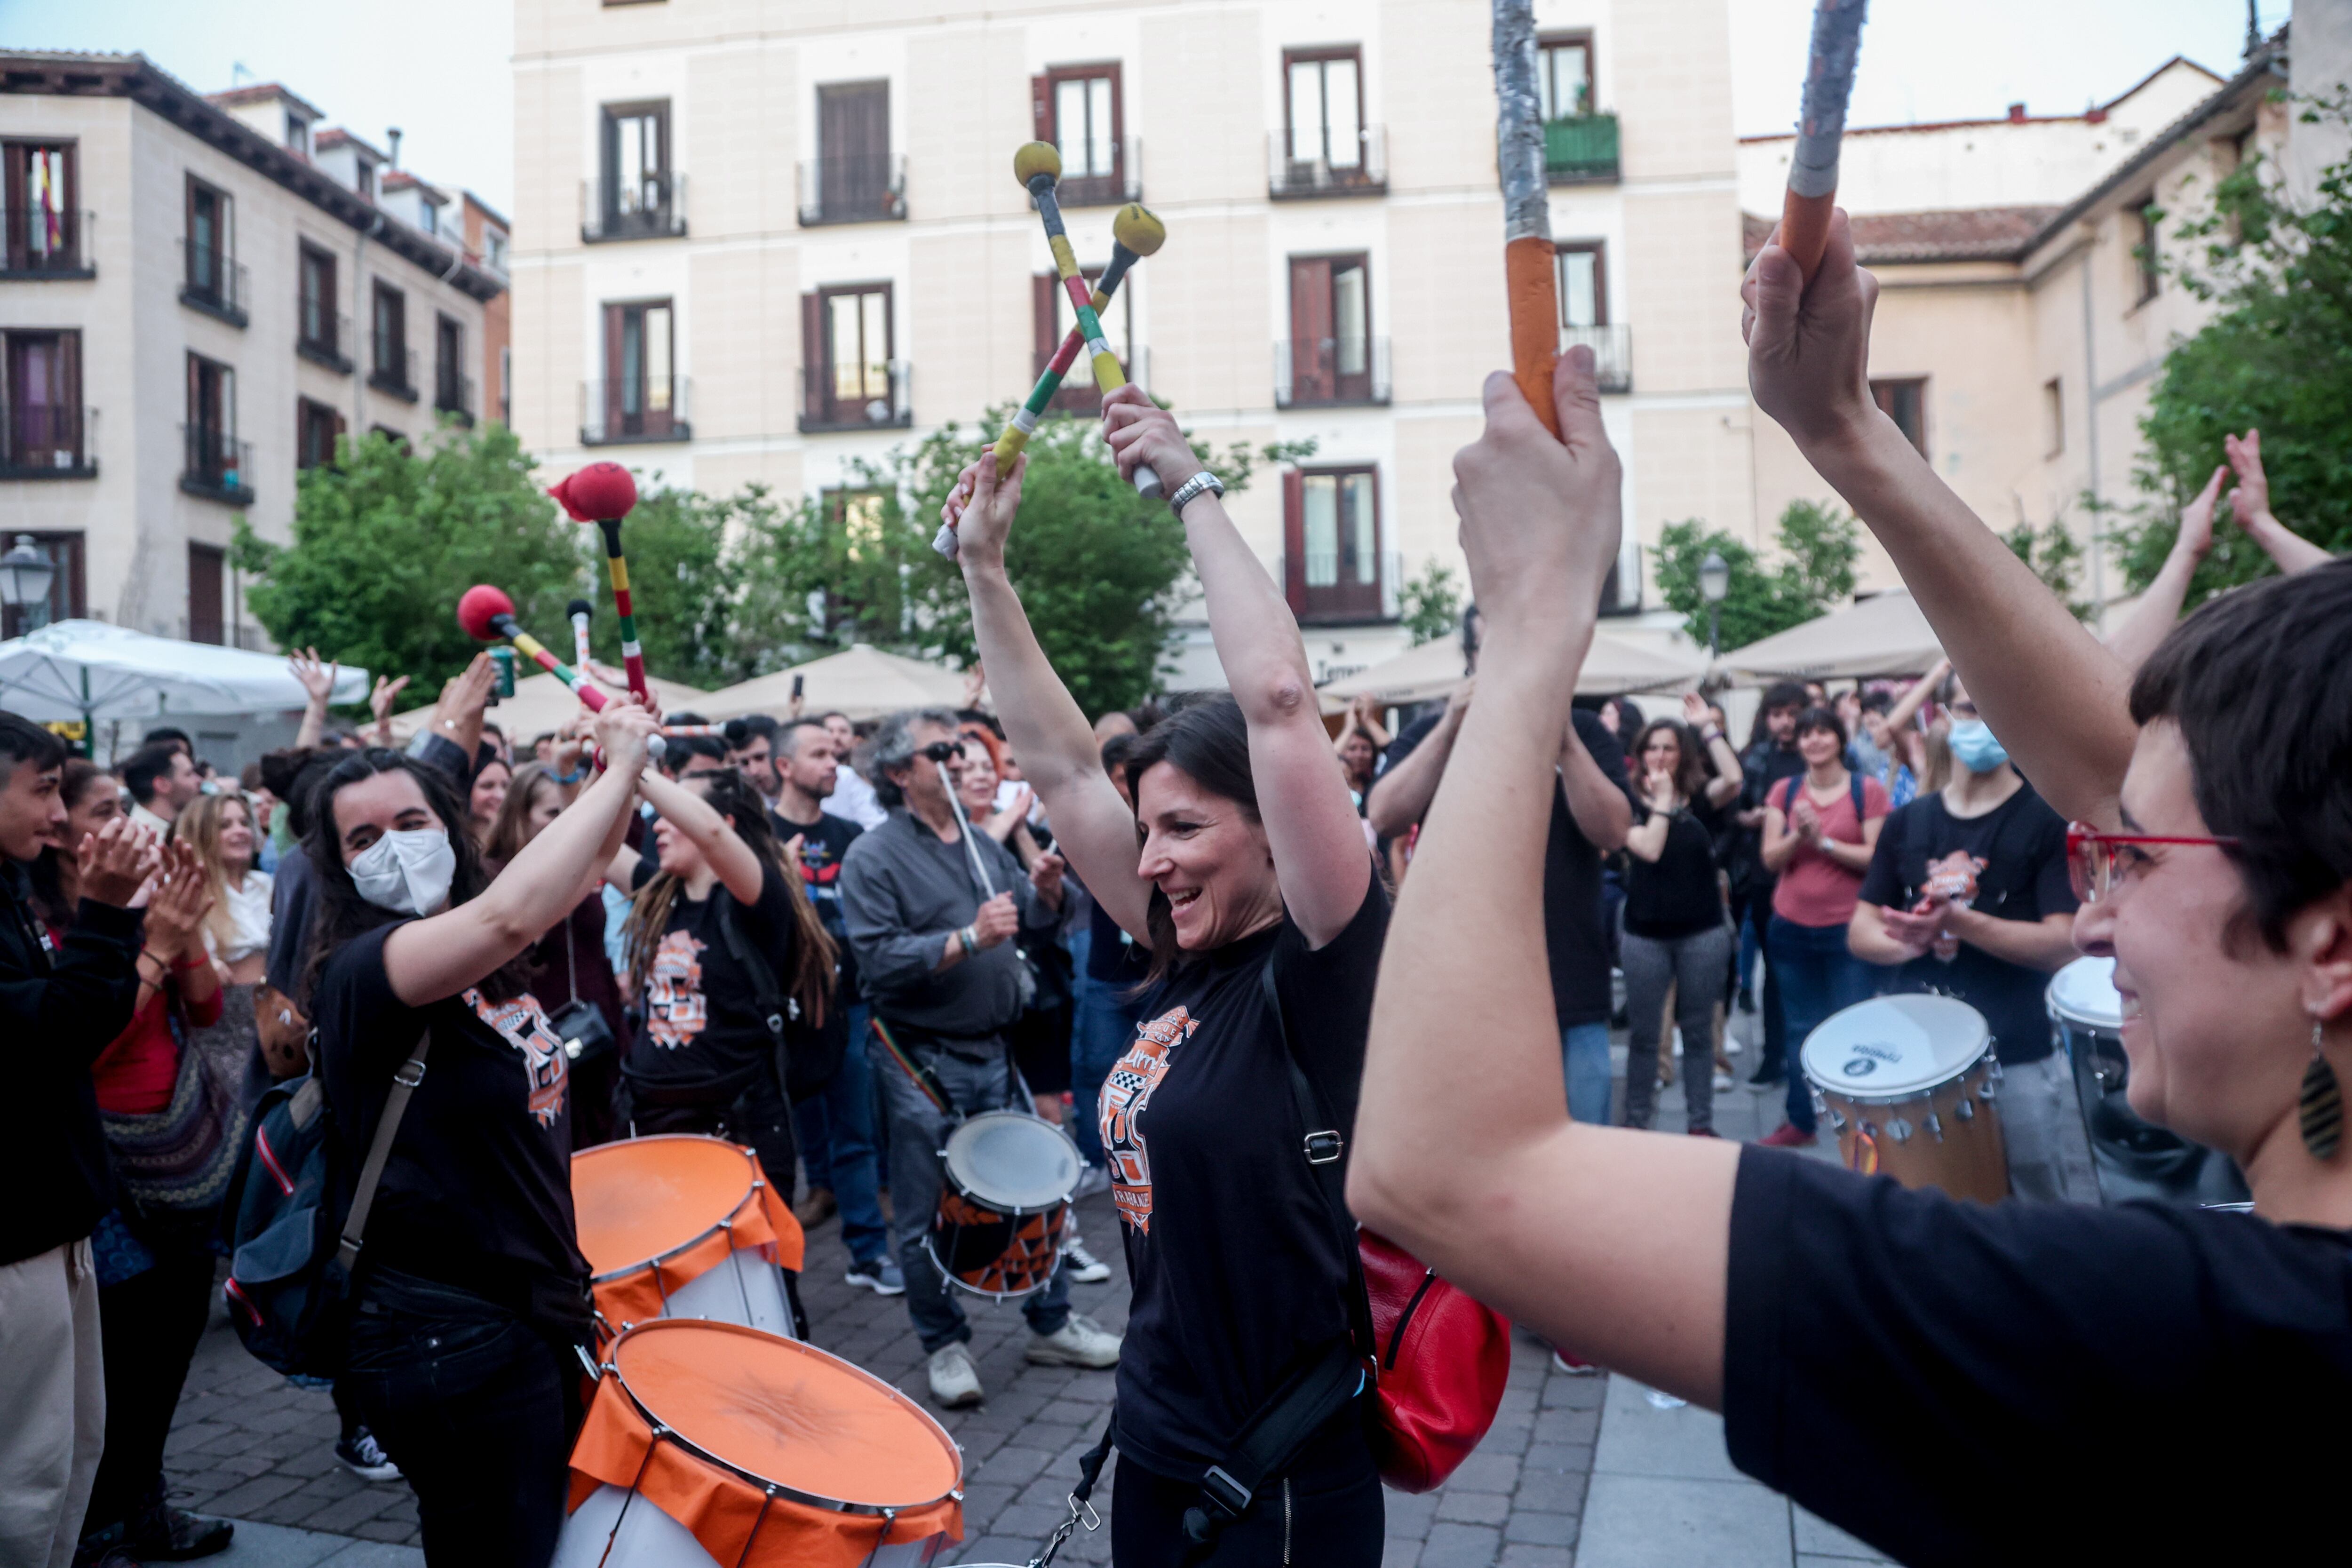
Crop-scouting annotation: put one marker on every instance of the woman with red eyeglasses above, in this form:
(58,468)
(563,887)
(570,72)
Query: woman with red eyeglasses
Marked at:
(1952,1382)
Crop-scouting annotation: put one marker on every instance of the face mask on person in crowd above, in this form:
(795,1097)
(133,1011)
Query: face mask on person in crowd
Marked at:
(1974,748)
(407,872)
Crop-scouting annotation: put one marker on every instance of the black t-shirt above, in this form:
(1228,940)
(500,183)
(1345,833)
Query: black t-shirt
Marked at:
(1676,895)
(478,1191)
(704,1034)
(2042,1383)
(1113,957)
(2022,844)
(1573,934)
(1234,1254)
(823,844)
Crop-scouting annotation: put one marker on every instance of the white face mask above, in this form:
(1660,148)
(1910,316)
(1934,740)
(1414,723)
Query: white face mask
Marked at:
(408,872)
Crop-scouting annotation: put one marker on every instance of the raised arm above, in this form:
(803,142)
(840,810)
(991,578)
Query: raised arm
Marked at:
(1310,821)
(318,681)
(2250,504)
(1401,795)
(1725,786)
(2159,606)
(1612,1243)
(2056,697)
(429,959)
(1059,757)
(1596,802)
(737,868)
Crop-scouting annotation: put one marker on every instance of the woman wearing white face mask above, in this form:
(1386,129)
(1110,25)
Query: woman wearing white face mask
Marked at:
(471,1291)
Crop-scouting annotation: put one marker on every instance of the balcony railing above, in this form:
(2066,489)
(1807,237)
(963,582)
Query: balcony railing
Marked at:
(213,282)
(858,188)
(453,394)
(1326,586)
(393,368)
(323,341)
(1582,150)
(1326,373)
(1077,393)
(1613,353)
(845,398)
(1360,169)
(650,207)
(219,466)
(46,243)
(626,412)
(49,441)
(1123,183)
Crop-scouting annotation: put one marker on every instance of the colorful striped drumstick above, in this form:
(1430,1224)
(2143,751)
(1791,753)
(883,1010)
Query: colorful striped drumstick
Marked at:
(603,493)
(1814,165)
(487,612)
(1038,167)
(580,610)
(694,729)
(1529,259)
(1135,234)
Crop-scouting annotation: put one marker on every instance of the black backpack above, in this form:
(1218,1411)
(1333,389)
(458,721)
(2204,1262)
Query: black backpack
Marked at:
(807,1055)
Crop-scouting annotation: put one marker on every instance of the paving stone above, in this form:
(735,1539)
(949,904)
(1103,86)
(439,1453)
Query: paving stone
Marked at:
(1473,1508)
(1536,1529)
(1485,1472)
(1524,1556)
(1460,1546)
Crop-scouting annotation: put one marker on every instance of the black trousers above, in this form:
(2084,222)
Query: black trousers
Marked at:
(1328,1512)
(477,1408)
(760,1116)
(148,1326)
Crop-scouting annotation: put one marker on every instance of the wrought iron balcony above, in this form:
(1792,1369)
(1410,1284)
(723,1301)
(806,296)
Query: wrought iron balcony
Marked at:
(855,397)
(213,282)
(1300,165)
(1331,373)
(395,371)
(856,187)
(1613,353)
(652,206)
(1328,586)
(1582,150)
(1122,184)
(46,243)
(49,441)
(633,413)
(219,466)
(453,394)
(321,337)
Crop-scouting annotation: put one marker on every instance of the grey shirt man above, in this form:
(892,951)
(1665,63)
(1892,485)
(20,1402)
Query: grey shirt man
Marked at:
(904,894)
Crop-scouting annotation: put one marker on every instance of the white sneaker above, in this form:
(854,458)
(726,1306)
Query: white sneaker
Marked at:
(1722,1082)
(1084,1267)
(1078,1343)
(954,1383)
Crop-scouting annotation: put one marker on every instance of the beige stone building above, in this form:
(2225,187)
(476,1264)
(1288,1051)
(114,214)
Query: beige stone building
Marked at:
(757,239)
(197,296)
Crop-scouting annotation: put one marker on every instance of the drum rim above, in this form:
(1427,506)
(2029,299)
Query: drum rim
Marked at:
(1011,1210)
(957,1282)
(2061,1012)
(1896,1097)
(662,1432)
(726,1223)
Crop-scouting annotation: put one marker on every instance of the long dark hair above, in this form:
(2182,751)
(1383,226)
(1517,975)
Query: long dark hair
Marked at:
(1208,741)
(1690,768)
(50,867)
(341,914)
(730,794)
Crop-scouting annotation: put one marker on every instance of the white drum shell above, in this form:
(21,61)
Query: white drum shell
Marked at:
(651,1539)
(746,1289)
(1907,1046)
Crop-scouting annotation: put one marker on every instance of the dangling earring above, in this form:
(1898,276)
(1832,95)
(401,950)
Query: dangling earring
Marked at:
(2321,1104)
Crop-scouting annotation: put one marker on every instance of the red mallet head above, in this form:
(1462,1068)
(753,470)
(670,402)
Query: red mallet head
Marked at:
(482,609)
(601,492)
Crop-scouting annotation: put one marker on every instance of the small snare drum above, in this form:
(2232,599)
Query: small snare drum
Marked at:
(1004,1206)
(1908,1084)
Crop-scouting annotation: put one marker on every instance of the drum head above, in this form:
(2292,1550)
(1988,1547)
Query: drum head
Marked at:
(787,1414)
(1013,1160)
(1892,1048)
(646,1198)
(2084,993)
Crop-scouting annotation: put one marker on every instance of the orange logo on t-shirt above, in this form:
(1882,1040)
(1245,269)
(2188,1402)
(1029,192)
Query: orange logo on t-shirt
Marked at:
(676,1009)
(522,1024)
(1125,1093)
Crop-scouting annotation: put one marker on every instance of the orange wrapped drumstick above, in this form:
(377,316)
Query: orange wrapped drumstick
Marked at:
(1527,256)
(1814,165)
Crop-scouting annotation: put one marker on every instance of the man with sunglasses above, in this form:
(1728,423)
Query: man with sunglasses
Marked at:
(1968,894)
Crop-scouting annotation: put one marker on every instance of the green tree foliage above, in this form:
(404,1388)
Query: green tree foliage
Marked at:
(1818,547)
(385,540)
(2055,556)
(2276,356)
(703,580)
(1432,601)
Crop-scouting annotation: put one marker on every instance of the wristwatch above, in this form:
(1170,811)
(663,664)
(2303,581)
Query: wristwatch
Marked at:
(1192,487)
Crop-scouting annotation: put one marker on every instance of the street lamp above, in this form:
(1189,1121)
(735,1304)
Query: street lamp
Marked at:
(1714,583)
(25,574)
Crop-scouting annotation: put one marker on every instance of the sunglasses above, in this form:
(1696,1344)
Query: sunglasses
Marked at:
(2091,856)
(940,752)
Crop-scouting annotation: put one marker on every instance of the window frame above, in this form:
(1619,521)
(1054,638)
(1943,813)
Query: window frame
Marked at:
(216,560)
(2147,262)
(2053,406)
(1342,393)
(326,344)
(1885,390)
(1325,53)
(1338,602)
(1098,187)
(14,453)
(830,403)
(647,218)
(876,200)
(1599,250)
(393,378)
(15,165)
(449,368)
(646,423)
(1575,37)
(308,410)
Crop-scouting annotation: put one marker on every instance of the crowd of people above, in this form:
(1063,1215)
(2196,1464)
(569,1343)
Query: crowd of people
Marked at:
(1164,931)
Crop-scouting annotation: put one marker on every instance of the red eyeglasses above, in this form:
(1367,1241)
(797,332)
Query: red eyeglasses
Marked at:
(2091,856)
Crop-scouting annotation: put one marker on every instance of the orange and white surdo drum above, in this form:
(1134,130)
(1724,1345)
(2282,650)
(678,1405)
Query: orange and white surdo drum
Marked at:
(711,1442)
(683,1226)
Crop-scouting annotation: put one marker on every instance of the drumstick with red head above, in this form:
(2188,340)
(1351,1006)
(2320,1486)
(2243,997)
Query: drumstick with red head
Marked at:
(488,615)
(603,493)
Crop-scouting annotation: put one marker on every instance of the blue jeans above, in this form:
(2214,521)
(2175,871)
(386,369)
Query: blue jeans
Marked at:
(1818,975)
(836,1128)
(1103,1030)
(1584,1054)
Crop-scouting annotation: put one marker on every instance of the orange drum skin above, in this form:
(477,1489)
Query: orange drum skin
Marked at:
(656,1214)
(770,1453)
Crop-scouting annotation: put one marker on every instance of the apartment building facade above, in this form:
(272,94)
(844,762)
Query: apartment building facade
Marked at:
(198,296)
(752,243)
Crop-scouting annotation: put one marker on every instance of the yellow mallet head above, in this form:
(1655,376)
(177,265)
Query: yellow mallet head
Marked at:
(1036,158)
(1136,229)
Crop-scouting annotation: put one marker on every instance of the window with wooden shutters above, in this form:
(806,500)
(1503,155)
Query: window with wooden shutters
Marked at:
(206,569)
(641,397)
(318,326)
(638,195)
(211,280)
(45,430)
(391,367)
(850,379)
(853,178)
(1055,317)
(67,599)
(1333,566)
(453,389)
(1078,110)
(216,461)
(1325,147)
(1331,355)
(317,426)
(44,224)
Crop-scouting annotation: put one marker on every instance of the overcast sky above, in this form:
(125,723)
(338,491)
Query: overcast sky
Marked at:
(437,69)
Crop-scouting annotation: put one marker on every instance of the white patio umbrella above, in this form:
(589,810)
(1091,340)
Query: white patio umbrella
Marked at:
(542,703)
(92,670)
(1887,634)
(861,681)
(1434,669)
